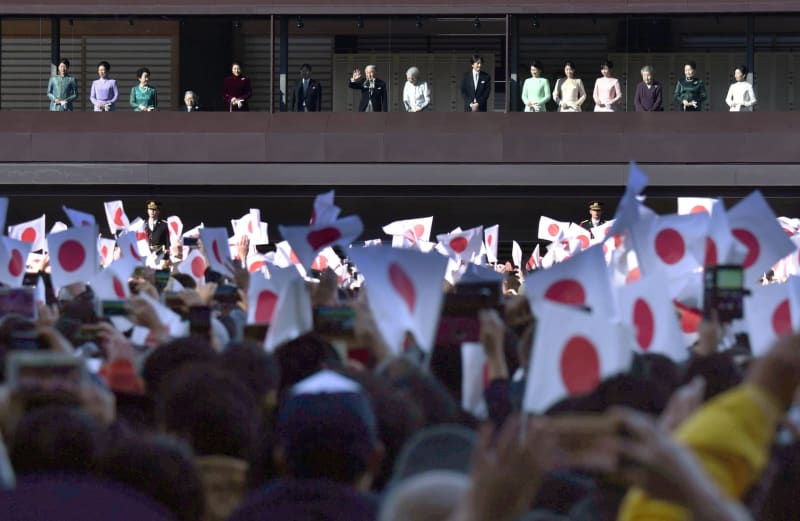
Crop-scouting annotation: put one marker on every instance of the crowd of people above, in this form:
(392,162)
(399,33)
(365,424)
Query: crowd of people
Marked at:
(568,94)
(176,404)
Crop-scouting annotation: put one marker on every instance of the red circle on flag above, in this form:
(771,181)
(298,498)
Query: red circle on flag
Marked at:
(198,267)
(293,257)
(690,320)
(711,253)
(669,245)
(118,217)
(419,230)
(134,251)
(751,242)
(173,225)
(699,209)
(16,264)
(579,365)
(403,285)
(552,230)
(257,265)
(71,255)
(782,319)
(566,291)
(104,252)
(320,263)
(489,240)
(215,251)
(318,239)
(633,275)
(119,289)
(28,234)
(584,241)
(265,306)
(459,244)
(645,323)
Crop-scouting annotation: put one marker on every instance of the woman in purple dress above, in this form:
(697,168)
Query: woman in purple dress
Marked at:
(104,91)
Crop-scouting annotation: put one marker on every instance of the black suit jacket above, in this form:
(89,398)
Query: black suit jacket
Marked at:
(313,100)
(378,95)
(481,94)
(159,236)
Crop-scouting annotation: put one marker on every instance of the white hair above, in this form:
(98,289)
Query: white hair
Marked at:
(647,68)
(190,93)
(370,67)
(431,496)
(413,72)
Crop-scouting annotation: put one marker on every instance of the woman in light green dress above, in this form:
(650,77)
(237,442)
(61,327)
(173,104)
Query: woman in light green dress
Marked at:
(144,97)
(62,89)
(536,90)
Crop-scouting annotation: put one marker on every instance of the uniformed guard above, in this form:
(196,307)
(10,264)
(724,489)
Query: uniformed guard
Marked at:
(157,230)
(595,217)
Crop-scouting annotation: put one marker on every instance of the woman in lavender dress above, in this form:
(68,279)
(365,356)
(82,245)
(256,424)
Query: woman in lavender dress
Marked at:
(104,92)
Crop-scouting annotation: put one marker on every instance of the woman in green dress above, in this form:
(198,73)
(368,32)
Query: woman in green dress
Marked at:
(690,92)
(536,90)
(143,96)
(62,89)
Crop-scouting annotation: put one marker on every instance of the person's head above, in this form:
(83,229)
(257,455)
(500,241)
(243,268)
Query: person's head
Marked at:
(153,209)
(63,67)
(606,66)
(255,368)
(596,210)
(689,69)
(536,69)
(326,429)
(103,68)
(477,62)
(160,468)
(301,358)
(211,409)
(190,98)
(647,75)
(438,405)
(429,496)
(172,356)
(569,69)
(143,75)
(412,75)
(236,69)
(370,71)
(56,439)
(740,74)
(305,71)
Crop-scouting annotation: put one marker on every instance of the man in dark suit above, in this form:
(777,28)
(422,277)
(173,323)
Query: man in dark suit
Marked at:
(307,93)
(595,217)
(157,231)
(374,97)
(476,87)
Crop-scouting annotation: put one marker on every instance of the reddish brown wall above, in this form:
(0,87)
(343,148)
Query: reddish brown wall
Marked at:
(173,137)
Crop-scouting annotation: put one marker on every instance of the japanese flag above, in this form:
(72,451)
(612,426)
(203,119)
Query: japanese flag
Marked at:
(256,263)
(551,230)
(535,260)
(215,243)
(194,232)
(581,280)
(324,212)
(690,205)
(409,231)
(308,241)
(790,225)
(462,245)
(115,214)
(195,265)
(112,283)
(175,227)
(129,247)
(755,226)
(582,234)
(516,254)
(327,258)
(105,248)
(293,315)
(770,312)
(474,379)
(13,255)
(721,246)
(32,232)
(490,238)
(404,290)
(285,257)
(629,209)
(646,307)
(73,255)
(672,244)
(78,218)
(263,293)
(573,351)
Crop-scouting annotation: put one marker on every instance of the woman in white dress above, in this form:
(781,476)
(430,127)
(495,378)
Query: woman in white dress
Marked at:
(741,96)
(569,93)
(416,94)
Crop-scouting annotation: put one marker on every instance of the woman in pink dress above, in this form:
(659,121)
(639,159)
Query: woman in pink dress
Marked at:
(607,91)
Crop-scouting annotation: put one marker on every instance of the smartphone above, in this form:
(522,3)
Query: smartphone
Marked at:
(200,321)
(190,242)
(162,278)
(18,300)
(30,279)
(112,308)
(723,292)
(87,333)
(588,440)
(338,322)
(41,378)
(256,332)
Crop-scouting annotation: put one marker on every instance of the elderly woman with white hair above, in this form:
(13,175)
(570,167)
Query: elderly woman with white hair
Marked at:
(416,93)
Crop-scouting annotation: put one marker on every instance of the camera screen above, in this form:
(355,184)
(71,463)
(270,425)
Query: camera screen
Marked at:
(730,278)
